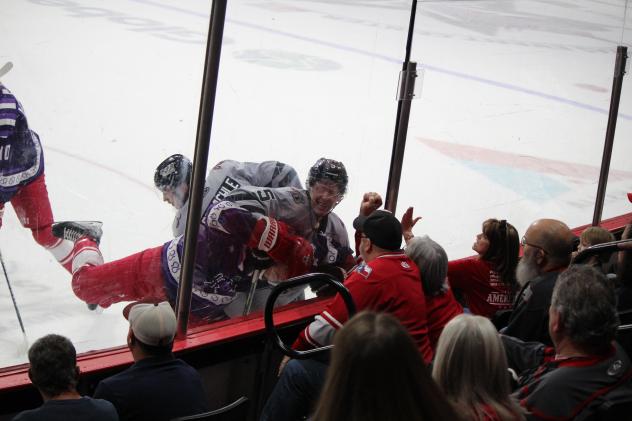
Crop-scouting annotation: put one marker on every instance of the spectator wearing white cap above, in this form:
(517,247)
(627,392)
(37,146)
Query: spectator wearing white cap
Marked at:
(157,386)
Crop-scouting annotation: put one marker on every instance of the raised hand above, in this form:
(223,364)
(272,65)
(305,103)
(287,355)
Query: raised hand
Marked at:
(408,222)
(370,201)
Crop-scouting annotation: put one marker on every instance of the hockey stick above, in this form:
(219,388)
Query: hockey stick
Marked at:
(15,304)
(251,293)
(6,68)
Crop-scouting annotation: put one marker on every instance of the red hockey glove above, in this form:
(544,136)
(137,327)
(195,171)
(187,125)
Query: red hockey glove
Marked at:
(274,238)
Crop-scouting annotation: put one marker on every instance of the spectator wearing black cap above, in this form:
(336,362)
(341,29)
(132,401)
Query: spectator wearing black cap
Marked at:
(386,281)
(53,370)
(158,386)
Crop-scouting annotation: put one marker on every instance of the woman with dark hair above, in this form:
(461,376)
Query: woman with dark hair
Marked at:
(487,282)
(377,374)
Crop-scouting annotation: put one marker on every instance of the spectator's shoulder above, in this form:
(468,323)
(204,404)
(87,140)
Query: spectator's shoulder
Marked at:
(103,405)
(187,367)
(387,265)
(112,383)
(30,414)
(542,287)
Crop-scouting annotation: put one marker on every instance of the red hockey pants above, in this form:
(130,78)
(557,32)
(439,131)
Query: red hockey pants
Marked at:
(131,278)
(33,209)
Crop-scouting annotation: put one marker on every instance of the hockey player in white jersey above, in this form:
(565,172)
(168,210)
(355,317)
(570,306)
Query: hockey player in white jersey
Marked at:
(173,175)
(229,233)
(310,214)
(256,188)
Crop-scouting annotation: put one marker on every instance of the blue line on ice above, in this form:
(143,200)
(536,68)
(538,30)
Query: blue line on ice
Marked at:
(490,82)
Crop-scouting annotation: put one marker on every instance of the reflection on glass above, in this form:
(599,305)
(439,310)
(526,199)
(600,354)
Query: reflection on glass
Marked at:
(509,124)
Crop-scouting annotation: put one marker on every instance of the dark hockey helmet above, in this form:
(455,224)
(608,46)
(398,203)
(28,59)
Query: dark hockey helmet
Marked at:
(329,170)
(172,172)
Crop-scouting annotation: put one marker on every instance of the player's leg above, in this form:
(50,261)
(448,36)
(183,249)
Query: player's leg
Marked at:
(33,209)
(135,277)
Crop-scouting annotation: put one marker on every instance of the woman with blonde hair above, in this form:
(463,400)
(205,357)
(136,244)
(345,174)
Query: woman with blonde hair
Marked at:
(377,374)
(471,369)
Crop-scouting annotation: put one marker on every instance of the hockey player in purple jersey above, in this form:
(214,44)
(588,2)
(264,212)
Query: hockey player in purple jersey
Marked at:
(22,182)
(229,232)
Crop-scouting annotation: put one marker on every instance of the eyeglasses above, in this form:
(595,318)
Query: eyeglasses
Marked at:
(524,242)
(320,189)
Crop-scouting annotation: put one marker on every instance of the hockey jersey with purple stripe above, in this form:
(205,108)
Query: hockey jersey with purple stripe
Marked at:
(21,158)
(221,248)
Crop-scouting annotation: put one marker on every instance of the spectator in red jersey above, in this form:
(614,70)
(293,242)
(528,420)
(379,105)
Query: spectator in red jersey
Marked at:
(386,281)
(376,374)
(487,281)
(432,261)
(471,369)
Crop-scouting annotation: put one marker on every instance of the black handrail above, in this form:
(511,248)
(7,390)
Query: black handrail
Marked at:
(294,282)
(609,247)
(202,144)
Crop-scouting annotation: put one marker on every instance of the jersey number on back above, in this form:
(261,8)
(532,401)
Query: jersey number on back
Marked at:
(265,195)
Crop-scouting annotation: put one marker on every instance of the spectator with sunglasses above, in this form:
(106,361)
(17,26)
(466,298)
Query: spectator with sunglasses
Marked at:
(547,247)
(487,281)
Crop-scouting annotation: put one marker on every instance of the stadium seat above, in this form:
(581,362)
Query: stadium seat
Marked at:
(608,411)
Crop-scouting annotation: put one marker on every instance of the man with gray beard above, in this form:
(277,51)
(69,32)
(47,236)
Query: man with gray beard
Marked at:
(547,248)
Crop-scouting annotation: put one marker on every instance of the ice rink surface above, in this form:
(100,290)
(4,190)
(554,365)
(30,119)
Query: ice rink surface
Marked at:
(509,120)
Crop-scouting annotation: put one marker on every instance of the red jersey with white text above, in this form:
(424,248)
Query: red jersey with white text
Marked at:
(484,290)
(391,284)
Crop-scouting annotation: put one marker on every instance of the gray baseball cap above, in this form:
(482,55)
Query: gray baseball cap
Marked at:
(152,323)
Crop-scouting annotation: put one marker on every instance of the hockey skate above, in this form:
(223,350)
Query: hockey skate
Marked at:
(74,230)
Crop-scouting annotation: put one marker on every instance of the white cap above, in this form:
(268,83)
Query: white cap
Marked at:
(152,323)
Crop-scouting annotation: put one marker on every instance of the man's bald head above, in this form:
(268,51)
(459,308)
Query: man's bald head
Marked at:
(554,238)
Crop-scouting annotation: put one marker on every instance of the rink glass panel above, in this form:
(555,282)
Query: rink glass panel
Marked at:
(512,117)
(509,121)
(619,183)
(111,89)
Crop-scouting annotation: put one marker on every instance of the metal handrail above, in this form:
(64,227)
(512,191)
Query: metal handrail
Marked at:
(294,282)
(611,246)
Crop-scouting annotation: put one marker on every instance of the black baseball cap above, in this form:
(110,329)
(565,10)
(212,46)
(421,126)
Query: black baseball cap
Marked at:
(382,228)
